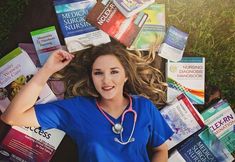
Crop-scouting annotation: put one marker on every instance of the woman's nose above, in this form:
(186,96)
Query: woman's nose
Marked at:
(106,78)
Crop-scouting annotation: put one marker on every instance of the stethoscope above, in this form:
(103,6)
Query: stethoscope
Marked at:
(118,127)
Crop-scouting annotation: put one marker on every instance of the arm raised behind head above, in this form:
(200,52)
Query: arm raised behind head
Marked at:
(21,111)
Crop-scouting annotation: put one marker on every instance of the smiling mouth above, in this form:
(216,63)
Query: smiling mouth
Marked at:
(107,88)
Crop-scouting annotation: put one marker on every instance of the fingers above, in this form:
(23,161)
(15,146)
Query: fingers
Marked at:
(64,56)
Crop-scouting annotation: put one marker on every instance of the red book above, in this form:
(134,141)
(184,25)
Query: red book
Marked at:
(105,16)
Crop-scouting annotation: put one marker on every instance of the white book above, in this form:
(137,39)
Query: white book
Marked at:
(130,7)
(186,76)
(174,44)
(183,119)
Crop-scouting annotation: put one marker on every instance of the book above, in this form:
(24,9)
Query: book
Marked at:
(45,41)
(130,7)
(78,33)
(31,51)
(221,120)
(183,119)
(186,76)
(174,44)
(27,143)
(153,31)
(105,16)
(201,146)
(56,85)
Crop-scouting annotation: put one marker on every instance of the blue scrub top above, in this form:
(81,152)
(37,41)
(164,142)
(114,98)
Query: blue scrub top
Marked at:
(80,118)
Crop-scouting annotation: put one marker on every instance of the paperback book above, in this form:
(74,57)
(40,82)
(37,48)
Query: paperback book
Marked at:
(201,146)
(131,7)
(45,41)
(221,120)
(56,85)
(105,16)
(153,31)
(78,33)
(174,44)
(183,118)
(25,143)
(186,76)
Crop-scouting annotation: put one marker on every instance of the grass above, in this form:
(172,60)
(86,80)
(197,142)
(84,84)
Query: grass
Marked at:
(11,12)
(211,28)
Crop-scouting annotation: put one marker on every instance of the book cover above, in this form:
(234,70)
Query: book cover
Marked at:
(105,16)
(186,76)
(78,33)
(31,51)
(183,118)
(204,146)
(27,143)
(153,31)
(45,41)
(174,44)
(221,120)
(56,85)
(131,7)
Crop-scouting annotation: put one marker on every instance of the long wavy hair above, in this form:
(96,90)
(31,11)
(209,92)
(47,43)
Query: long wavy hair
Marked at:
(143,78)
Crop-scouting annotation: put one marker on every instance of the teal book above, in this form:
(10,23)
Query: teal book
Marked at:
(221,120)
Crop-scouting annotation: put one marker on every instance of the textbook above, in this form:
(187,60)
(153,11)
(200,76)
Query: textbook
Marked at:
(56,85)
(174,44)
(31,51)
(201,146)
(183,119)
(221,120)
(153,31)
(25,143)
(130,7)
(78,33)
(186,76)
(45,41)
(105,16)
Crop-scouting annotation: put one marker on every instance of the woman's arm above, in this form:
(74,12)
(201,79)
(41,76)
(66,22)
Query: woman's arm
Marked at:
(21,109)
(160,153)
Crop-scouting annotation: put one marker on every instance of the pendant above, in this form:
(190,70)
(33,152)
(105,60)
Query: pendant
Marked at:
(117,128)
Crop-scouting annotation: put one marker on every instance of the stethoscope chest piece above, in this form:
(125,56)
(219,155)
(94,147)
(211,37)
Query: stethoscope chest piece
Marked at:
(117,128)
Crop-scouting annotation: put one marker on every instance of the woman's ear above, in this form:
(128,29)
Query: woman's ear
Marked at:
(126,79)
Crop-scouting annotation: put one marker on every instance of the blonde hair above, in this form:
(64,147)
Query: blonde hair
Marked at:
(143,78)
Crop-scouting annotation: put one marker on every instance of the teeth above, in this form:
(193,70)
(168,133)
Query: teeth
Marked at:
(107,88)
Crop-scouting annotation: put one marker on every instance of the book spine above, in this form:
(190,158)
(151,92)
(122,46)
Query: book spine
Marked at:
(191,109)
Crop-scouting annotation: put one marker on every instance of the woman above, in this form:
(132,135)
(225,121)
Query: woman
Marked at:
(105,120)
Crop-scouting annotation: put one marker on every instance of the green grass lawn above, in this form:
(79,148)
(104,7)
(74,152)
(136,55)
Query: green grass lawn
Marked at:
(211,28)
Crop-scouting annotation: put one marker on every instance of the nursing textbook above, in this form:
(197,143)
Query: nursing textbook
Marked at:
(153,31)
(45,41)
(174,44)
(221,120)
(78,33)
(186,76)
(105,16)
(183,119)
(24,143)
(203,146)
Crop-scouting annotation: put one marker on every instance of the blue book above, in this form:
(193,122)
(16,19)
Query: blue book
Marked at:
(204,146)
(78,33)
(174,44)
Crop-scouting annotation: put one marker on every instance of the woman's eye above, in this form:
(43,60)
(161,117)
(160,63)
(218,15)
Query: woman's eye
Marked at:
(98,73)
(114,72)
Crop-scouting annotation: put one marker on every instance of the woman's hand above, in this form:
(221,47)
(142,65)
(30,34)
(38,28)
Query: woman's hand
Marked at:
(57,61)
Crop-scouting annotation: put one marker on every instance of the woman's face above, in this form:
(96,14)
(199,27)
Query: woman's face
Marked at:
(108,76)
